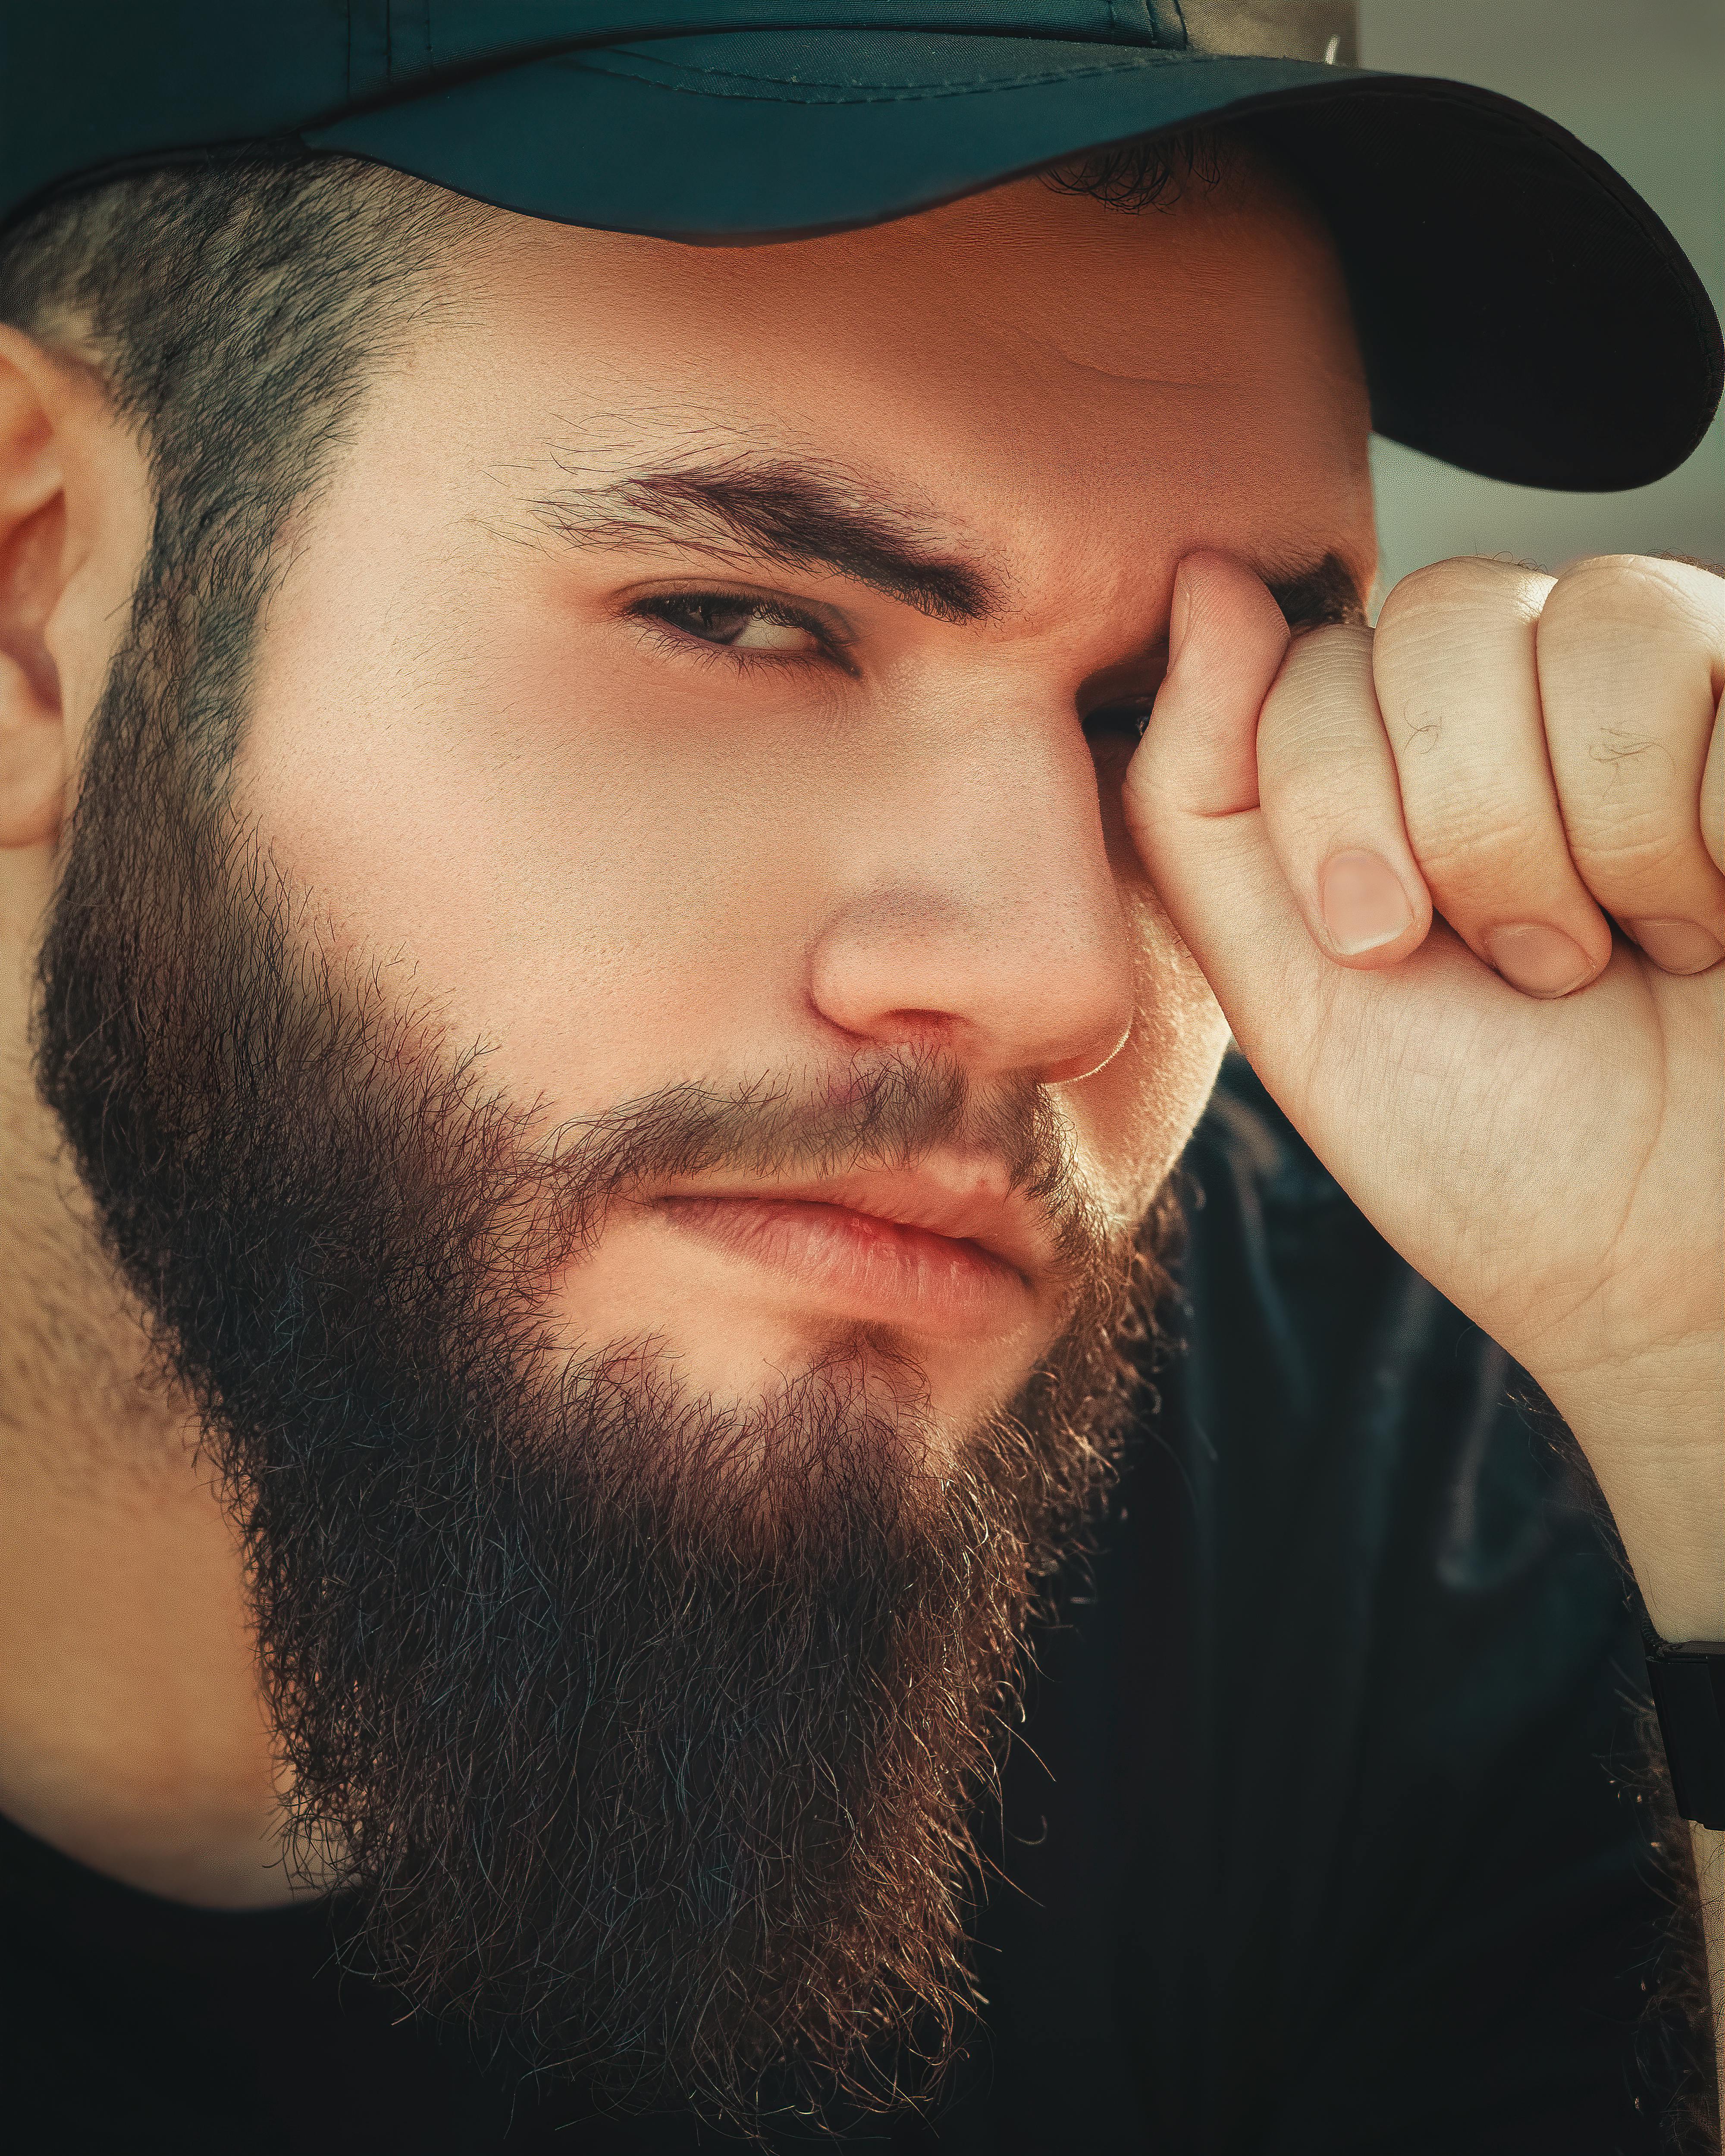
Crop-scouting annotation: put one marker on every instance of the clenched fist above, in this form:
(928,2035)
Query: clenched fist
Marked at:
(1460,887)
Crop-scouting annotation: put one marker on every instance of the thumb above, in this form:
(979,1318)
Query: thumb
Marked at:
(1191,790)
(1226,643)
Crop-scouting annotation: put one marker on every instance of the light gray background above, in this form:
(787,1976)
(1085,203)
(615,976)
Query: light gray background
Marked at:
(1643,83)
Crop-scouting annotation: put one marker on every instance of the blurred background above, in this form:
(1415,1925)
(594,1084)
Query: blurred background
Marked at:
(1643,83)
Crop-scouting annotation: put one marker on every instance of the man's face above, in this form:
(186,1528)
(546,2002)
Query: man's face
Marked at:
(635,1110)
(706,669)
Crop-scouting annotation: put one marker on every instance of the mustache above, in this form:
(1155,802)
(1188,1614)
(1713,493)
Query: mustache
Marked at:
(309,1003)
(891,1111)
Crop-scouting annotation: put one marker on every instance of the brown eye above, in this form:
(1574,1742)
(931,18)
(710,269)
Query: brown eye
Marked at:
(733,622)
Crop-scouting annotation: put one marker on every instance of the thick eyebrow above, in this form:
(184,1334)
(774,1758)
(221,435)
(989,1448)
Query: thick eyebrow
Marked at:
(799,517)
(794,516)
(1321,597)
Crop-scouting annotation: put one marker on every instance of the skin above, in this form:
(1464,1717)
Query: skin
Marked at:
(622,859)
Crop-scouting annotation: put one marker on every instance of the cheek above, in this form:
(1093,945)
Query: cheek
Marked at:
(1135,1117)
(508,821)
(1136,1114)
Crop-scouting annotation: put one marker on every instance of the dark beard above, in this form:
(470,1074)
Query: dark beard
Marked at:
(647,1736)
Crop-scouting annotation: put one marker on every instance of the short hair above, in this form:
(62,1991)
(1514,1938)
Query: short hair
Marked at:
(235,309)
(209,292)
(236,306)
(1151,173)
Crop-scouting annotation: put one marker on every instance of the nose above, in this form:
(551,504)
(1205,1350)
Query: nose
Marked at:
(976,908)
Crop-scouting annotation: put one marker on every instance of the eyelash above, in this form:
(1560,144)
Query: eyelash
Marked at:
(1123,721)
(655,616)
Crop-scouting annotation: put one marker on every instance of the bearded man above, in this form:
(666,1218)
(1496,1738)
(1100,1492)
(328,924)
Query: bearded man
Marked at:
(666,687)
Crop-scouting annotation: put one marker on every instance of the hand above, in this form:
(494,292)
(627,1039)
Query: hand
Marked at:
(1527,1106)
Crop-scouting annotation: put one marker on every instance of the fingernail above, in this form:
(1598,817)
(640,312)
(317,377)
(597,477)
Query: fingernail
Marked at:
(1678,946)
(1539,960)
(1364,902)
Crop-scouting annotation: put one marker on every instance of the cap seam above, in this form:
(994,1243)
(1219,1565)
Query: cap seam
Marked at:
(773,89)
(1704,323)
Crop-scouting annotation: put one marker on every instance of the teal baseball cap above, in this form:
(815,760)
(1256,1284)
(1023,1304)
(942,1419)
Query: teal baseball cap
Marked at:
(1522,312)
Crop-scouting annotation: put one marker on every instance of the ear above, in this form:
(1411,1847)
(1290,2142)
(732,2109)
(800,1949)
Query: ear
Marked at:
(32,575)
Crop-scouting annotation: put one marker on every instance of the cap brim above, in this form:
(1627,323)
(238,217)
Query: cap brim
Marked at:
(1522,312)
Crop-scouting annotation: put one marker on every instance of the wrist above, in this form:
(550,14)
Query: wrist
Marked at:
(1657,1450)
(1669,1517)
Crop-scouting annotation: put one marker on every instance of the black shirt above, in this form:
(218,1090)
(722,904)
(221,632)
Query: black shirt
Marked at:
(1328,1834)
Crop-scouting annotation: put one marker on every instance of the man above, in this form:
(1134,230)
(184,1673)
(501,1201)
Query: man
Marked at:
(606,1001)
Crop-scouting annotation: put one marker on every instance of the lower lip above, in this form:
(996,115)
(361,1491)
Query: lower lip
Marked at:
(868,1267)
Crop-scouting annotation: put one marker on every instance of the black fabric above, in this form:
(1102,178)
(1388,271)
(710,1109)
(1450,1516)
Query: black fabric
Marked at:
(1321,1837)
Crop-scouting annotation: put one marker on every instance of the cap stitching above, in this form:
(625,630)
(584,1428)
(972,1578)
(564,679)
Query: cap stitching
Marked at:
(779,89)
(1706,324)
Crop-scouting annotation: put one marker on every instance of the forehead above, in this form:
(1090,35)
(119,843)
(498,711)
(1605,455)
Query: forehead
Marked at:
(1030,367)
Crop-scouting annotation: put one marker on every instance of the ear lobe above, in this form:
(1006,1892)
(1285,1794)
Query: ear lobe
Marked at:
(33,779)
(33,530)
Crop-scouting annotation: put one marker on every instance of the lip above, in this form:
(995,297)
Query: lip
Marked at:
(899,1250)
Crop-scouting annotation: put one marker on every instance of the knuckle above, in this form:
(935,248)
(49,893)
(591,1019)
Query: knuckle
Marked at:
(1313,821)
(1321,704)
(1466,582)
(1323,664)
(1479,843)
(1597,600)
(1631,763)
(1630,851)
(1309,803)
(1333,643)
